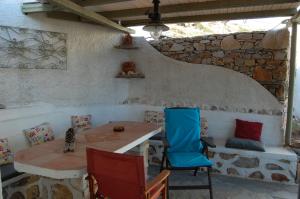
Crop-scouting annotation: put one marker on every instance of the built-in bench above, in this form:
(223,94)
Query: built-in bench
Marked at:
(277,163)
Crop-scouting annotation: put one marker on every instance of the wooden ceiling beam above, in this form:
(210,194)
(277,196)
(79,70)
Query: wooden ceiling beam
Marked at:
(30,7)
(198,6)
(218,17)
(90,15)
(97,2)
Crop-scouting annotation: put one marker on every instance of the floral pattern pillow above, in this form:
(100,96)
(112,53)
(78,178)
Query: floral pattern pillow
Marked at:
(204,127)
(81,122)
(156,117)
(39,134)
(6,156)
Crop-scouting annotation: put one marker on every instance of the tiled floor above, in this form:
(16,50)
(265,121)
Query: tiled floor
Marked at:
(225,187)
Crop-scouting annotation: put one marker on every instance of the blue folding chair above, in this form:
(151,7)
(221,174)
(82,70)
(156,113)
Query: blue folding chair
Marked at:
(184,149)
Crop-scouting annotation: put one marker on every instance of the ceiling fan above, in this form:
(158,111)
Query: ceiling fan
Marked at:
(155,26)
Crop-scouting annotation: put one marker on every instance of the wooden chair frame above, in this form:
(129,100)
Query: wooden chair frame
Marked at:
(150,190)
(206,142)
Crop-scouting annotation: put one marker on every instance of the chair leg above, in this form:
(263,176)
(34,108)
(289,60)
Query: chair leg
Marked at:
(195,172)
(162,162)
(209,183)
(167,188)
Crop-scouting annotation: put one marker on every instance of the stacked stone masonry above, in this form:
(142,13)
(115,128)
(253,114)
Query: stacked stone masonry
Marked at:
(35,187)
(246,166)
(262,56)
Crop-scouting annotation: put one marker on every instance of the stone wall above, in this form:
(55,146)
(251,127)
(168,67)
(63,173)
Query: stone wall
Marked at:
(262,56)
(33,187)
(252,165)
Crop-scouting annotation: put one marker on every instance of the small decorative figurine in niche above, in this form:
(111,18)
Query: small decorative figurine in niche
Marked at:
(70,140)
(127,40)
(128,68)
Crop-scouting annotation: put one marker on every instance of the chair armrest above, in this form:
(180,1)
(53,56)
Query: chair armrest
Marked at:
(208,141)
(157,181)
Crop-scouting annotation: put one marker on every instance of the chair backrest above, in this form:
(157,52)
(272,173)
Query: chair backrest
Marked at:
(183,129)
(118,176)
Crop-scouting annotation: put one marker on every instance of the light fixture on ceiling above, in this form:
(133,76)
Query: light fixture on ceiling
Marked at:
(155,26)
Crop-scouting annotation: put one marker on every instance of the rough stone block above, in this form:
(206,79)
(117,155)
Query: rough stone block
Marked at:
(280,92)
(257,175)
(216,43)
(232,171)
(280,55)
(218,54)
(247,45)
(249,62)
(205,41)
(272,166)
(261,74)
(279,177)
(239,61)
(206,61)
(227,156)
(280,73)
(244,162)
(60,191)
(229,43)
(33,192)
(258,35)
(177,47)
(25,181)
(17,195)
(199,46)
(244,36)
(276,39)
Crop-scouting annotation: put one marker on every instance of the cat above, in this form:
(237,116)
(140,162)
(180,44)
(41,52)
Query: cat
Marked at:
(70,141)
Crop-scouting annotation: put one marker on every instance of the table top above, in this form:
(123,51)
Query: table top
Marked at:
(49,160)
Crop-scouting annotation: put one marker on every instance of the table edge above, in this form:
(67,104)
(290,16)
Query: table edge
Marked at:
(63,174)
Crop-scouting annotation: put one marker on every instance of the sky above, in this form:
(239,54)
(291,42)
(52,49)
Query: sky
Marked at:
(252,24)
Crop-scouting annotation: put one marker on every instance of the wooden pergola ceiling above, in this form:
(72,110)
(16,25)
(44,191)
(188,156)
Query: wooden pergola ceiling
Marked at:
(120,13)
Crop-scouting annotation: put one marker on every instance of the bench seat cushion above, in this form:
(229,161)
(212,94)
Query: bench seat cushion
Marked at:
(8,171)
(246,144)
(271,152)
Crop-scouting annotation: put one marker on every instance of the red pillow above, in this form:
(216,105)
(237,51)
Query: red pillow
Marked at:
(248,130)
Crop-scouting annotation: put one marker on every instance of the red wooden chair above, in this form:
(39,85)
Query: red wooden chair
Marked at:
(120,176)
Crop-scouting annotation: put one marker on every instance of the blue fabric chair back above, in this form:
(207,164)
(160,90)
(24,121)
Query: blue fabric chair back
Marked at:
(182,127)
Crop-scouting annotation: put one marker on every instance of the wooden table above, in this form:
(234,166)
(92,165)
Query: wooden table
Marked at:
(49,161)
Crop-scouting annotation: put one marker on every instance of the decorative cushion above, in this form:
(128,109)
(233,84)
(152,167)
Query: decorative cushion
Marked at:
(6,155)
(81,122)
(247,144)
(248,130)
(39,134)
(204,127)
(155,117)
